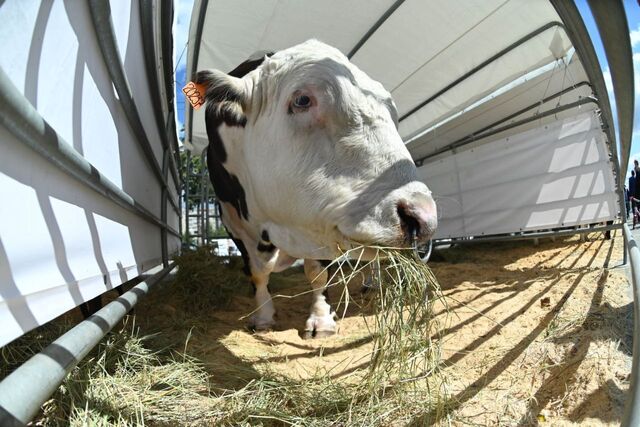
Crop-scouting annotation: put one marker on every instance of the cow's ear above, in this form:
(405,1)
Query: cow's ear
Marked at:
(226,96)
(222,87)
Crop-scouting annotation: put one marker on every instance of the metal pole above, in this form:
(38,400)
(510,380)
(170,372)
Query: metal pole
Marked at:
(525,236)
(164,243)
(186,182)
(23,392)
(201,205)
(100,12)
(631,415)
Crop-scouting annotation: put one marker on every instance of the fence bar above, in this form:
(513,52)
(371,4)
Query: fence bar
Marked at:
(23,392)
(631,415)
(101,16)
(526,236)
(25,123)
(152,66)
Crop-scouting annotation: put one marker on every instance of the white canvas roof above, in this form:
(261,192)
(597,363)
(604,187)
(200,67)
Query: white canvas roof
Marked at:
(497,77)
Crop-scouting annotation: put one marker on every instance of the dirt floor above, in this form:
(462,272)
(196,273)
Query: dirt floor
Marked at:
(533,335)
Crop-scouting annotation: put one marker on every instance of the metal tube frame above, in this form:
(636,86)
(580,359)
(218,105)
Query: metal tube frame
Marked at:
(25,123)
(151,66)
(631,415)
(23,392)
(613,27)
(581,41)
(202,14)
(100,12)
(375,27)
(455,145)
(479,67)
(525,235)
(478,134)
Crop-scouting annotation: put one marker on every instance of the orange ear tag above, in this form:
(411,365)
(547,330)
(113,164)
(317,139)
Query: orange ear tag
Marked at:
(195,94)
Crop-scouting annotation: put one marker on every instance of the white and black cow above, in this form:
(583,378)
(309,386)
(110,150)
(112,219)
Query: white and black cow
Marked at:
(306,161)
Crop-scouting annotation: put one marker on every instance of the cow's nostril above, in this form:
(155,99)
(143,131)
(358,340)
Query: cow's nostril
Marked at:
(410,224)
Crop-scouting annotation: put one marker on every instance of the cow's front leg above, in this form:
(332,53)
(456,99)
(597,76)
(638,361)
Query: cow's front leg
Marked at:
(321,321)
(262,319)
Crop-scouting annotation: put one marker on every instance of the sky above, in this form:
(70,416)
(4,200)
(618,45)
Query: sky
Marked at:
(632,8)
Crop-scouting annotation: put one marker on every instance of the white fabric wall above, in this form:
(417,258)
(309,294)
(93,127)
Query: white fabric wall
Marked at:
(60,242)
(555,175)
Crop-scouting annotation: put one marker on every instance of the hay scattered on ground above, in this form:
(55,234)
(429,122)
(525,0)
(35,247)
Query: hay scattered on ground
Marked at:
(535,335)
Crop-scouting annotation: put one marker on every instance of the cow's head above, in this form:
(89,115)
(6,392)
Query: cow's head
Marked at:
(322,163)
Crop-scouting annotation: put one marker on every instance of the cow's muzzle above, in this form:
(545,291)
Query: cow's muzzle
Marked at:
(418,220)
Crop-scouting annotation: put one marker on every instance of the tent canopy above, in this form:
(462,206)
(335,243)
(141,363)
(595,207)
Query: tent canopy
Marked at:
(495,104)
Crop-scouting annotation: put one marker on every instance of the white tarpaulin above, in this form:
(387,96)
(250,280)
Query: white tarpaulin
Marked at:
(486,91)
(61,243)
(551,176)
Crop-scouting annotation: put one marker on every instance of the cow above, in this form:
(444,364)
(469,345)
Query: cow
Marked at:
(306,161)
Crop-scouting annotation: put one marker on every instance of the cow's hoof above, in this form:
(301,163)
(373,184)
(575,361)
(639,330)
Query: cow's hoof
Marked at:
(260,325)
(320,326)
(307,335)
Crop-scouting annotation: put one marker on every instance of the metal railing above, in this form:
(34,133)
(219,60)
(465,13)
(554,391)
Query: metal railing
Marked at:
(23,392)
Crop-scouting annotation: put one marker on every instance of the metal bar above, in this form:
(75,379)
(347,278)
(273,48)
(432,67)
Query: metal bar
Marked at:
(206,212)
(151,66)
(631,415)
(25,123)
(475,135)
(525,235)
(579,36)
(185,184)
(202,13)
(101,16)
(166,18)
(479,67)
(201,206)
(542,115)
(612,25)
(23,392)
(163,210)
(375,27)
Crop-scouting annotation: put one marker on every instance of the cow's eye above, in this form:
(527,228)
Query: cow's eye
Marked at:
(302,101)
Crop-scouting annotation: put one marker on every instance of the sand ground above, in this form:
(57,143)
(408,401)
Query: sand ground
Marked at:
(532,335)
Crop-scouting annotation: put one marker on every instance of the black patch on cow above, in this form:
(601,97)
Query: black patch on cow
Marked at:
(265,244)
(226,186)
(266,248)
(223,107)
(250,64)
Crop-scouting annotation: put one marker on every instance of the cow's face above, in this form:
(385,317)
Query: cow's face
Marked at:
(324,165)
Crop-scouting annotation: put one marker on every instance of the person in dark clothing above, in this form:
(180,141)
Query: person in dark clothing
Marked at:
(635,195)
(631,194)
(627,201)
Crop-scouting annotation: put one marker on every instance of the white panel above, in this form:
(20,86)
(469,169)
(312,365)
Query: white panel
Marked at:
(16,45)
(62,243)
(554,176)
